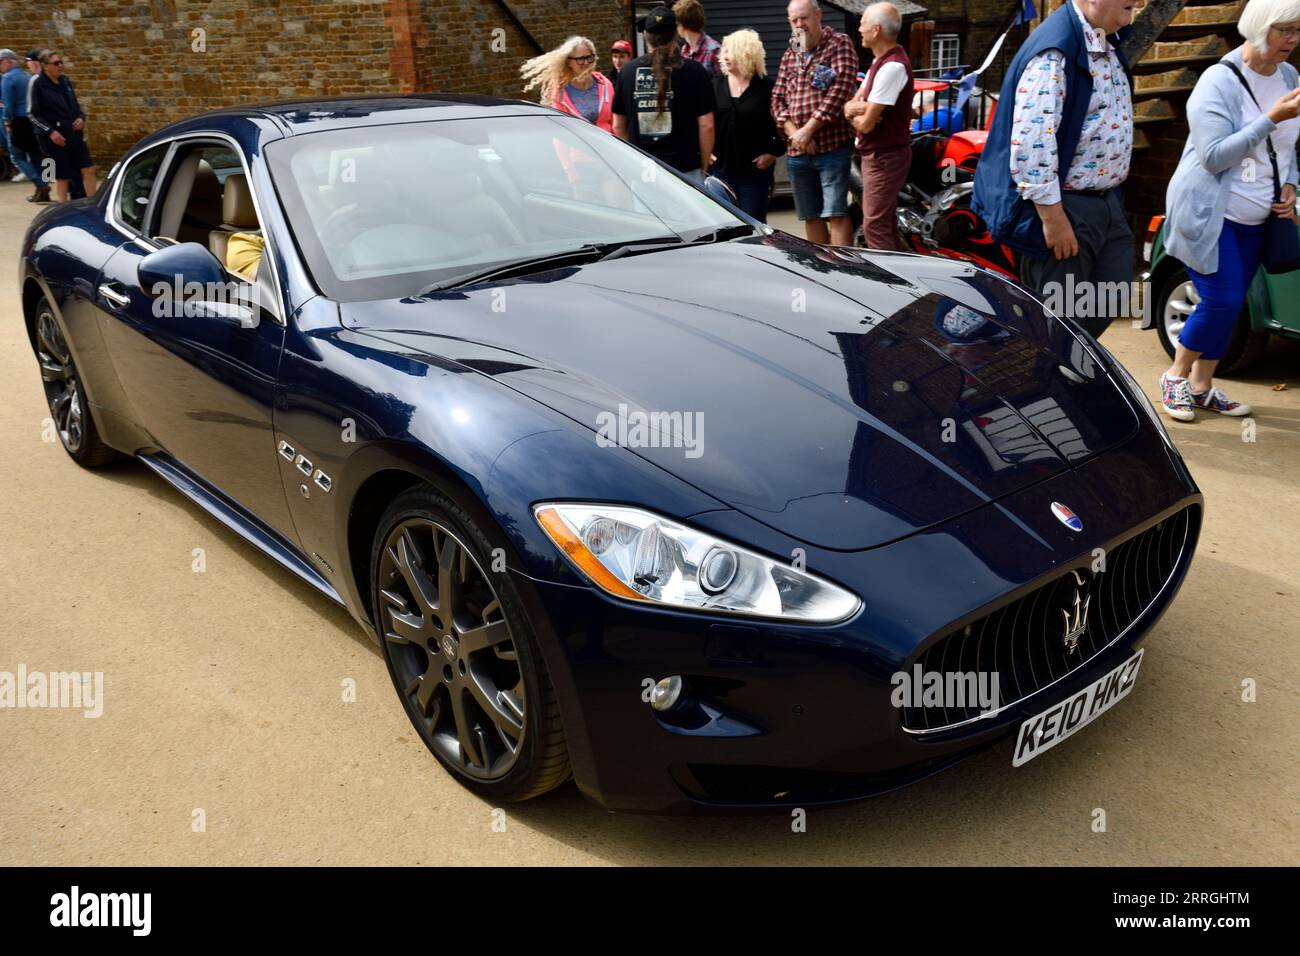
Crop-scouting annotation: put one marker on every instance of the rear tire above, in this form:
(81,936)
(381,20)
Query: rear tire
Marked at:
(70,412)
(461,651)
(1174,304)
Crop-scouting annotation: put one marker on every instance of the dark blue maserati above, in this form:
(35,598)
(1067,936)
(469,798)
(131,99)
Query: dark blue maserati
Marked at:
(626,486)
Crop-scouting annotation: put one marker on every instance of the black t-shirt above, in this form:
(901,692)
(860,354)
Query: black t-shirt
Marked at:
(745,128)
(673,137)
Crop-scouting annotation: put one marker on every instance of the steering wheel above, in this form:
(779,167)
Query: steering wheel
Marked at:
(351,218)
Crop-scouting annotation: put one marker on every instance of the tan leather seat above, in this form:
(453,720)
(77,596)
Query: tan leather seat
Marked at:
(192,208)
(203,211)
(237,214)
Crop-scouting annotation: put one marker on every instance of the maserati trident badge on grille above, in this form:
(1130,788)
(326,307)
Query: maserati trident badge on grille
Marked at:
(1067,517)
(1074,629)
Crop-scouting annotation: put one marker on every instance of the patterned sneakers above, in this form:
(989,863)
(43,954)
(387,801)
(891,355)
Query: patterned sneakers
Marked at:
(1176,397)
(1215,401)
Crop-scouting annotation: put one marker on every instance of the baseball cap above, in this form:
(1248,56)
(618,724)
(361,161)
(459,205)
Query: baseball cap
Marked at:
(8,54)
(621,46)
(34,54)
(659,20)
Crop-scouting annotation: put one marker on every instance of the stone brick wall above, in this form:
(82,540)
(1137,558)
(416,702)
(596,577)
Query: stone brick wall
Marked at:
(138,64)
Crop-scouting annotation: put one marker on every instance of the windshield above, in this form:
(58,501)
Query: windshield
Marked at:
(387,211)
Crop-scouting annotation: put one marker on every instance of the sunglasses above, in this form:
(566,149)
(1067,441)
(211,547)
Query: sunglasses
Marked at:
(583,59)
(54,63)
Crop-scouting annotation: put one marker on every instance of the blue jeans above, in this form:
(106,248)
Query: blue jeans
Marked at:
(821,183)
(752,186)
(20,158)
(1223,293)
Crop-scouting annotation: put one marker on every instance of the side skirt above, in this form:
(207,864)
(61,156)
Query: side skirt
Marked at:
(239,521)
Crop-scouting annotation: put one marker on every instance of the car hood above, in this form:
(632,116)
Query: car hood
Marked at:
(845,398)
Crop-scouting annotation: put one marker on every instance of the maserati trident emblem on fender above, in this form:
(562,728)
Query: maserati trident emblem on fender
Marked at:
(1074,629)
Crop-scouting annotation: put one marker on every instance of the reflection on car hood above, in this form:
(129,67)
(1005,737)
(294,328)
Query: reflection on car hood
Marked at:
(846,399)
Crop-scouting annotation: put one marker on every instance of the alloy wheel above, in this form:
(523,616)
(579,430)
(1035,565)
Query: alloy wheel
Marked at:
(451,649)
(59,375)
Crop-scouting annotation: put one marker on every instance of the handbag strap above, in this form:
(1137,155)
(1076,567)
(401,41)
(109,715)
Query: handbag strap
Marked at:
(1268,139)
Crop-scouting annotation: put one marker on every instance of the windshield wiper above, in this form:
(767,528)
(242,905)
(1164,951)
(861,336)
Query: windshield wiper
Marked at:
(597,252)
(654,245)
(590,251)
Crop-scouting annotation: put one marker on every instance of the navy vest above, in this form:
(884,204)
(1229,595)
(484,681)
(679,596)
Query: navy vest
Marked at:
(1010,219)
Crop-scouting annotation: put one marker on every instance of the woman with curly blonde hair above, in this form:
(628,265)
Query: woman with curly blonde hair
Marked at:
(569,81)
(748,142)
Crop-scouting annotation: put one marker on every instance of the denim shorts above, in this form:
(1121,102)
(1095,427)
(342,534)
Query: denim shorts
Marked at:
(821,183)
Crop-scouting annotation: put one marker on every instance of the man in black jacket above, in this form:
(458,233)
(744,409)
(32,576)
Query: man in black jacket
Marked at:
(57,117)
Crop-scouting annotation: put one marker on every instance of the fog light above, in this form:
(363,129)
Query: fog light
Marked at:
(666,693)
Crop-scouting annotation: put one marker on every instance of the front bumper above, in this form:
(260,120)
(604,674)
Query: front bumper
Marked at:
(783,715)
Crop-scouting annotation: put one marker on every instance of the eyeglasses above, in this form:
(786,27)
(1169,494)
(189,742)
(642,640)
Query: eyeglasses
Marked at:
(1288,31)
(583,59)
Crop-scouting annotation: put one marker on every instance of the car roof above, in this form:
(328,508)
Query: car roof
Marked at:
(294,117)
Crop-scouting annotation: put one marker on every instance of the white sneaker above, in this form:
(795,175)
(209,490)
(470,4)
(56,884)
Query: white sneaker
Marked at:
(20,178)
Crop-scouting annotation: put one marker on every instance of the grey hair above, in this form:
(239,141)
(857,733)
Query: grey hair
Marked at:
(886,16)
(812,3)
(1260,15)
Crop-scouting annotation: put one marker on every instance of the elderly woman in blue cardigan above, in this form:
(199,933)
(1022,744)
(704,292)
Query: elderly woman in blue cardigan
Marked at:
(1221,195)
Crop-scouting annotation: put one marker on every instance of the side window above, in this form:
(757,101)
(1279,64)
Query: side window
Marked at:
(137,183)
(206,199)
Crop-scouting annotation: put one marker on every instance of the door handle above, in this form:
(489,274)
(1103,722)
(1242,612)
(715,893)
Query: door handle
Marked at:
(119,299)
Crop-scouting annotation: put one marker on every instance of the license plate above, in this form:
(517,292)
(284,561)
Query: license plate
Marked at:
(1046,730)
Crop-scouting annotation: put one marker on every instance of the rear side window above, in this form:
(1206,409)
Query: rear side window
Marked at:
(137,184)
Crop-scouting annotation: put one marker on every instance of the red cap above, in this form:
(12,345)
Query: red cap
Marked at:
(621,46)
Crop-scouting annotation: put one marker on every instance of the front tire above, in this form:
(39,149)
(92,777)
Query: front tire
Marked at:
(65,394)
(461,651)
(1174,304)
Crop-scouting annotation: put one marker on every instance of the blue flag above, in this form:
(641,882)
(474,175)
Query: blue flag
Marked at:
(1027,12)
(964,91)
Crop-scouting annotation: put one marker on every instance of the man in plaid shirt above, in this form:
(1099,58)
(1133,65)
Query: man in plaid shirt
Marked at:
(696,44)
(818,74)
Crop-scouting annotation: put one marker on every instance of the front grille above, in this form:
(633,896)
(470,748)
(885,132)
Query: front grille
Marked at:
(1024,642)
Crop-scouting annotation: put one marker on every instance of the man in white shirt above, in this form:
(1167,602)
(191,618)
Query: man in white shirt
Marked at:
(881,114)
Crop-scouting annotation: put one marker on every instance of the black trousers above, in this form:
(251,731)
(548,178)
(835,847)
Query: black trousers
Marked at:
(1096,286)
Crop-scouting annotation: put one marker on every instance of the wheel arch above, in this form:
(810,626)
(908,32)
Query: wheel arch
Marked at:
(378,474)
(33,291)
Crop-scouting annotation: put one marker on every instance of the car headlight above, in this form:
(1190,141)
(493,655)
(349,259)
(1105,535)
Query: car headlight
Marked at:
(641,556)
(1139,396)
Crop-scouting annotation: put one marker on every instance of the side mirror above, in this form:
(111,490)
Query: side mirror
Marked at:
(186,280)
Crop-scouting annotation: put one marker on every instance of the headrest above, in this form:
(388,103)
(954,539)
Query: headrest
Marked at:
(237,203)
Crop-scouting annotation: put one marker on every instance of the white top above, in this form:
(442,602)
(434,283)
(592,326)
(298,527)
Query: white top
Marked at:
(890,80)
(1250,194)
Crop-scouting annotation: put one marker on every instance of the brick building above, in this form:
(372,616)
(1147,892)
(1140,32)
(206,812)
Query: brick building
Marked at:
(139,64)
(963,30)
